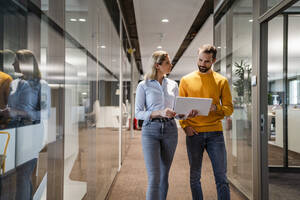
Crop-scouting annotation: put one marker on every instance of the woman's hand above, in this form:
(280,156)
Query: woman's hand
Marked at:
(168,112)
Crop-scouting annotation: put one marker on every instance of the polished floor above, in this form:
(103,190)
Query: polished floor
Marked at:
(97,165)
(131,182)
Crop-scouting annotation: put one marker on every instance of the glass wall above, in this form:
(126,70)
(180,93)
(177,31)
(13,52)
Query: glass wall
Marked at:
(275,91)
(60,116)
(283,104)
(293,84)
(233,38)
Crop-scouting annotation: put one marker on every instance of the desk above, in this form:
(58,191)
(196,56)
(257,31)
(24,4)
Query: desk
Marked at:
(293,129)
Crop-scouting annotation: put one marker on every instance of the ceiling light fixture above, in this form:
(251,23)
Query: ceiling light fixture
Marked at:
(165,20)
(73,20)
(81,74)
(250,20)
(102,46)
(159,47)
(82,20)
(219,47)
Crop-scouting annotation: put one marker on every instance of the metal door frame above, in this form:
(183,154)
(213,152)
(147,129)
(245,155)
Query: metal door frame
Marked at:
(262,16)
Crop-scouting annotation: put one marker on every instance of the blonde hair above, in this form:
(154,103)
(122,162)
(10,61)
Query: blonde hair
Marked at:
(26,56)
(8,57)
(157,58)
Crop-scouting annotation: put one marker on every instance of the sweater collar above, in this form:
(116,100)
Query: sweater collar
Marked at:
(205,75)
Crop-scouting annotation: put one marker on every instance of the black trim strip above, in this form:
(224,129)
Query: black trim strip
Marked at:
(276,10)
(284,169)
(285,90)
(222,9)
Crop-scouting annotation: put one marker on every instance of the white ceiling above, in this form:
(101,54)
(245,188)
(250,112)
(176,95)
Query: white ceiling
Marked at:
(152,32)
(188,62)
(181,14)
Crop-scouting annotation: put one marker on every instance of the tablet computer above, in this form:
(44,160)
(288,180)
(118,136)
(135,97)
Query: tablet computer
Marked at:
(183,105)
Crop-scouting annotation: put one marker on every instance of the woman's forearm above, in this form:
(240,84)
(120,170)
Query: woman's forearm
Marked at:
(156,113)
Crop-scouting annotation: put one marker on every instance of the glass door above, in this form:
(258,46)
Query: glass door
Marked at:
(283,104)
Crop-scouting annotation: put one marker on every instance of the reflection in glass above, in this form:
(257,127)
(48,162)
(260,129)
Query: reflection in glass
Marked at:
(29,94)
(272,3)
(5,79)
(275,91)
(293,89)
(234,39)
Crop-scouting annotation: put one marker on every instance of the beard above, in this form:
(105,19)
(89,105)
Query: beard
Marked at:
(203,69)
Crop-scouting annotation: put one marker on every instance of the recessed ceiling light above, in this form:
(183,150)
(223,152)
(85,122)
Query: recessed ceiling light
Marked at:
(165,20)
(73,20)
(250,20)
(82,20)
(159,47)
(81,74)
(102,46)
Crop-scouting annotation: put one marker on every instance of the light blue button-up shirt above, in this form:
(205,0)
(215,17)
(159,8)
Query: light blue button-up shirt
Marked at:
(151,96)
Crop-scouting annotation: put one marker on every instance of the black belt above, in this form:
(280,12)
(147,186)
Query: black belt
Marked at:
(163,119)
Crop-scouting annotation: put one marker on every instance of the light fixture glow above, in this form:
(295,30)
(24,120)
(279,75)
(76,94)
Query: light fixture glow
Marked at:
(219,47)
(73,20)
(102,46)
(82,20)
(165,20)
(250,20)
(81,74)
(159,47)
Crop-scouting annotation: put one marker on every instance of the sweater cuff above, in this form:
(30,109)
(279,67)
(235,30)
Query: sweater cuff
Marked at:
(183,123)
(219,107)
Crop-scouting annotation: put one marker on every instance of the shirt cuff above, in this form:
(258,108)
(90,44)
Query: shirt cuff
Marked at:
(147,115)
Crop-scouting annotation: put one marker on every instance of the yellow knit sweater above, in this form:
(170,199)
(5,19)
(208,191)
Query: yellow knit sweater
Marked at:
(212,85)
(5,81)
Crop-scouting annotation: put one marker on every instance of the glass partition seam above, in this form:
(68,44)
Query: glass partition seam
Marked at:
(121,92)
(285,89)
(126,32)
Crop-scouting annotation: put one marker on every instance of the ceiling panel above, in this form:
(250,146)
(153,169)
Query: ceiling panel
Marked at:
(152,32)
(188,62)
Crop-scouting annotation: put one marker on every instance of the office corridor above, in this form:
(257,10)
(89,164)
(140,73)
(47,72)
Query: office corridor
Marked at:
(131,182)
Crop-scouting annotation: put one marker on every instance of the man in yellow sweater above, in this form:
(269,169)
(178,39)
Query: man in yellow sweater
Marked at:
(206,132)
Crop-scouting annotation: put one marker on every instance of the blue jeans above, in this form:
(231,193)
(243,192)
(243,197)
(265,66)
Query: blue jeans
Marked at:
(159,141)
(214,144)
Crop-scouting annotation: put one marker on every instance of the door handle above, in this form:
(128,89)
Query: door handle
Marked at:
(262,123)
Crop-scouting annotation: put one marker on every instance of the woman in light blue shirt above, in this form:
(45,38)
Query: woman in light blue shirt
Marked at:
(155,98)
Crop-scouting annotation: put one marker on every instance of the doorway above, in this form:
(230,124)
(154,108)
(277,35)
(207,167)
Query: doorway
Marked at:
(282,105)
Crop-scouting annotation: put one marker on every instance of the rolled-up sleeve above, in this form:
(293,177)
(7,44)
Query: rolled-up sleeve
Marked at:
(176,93)
(140,103)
